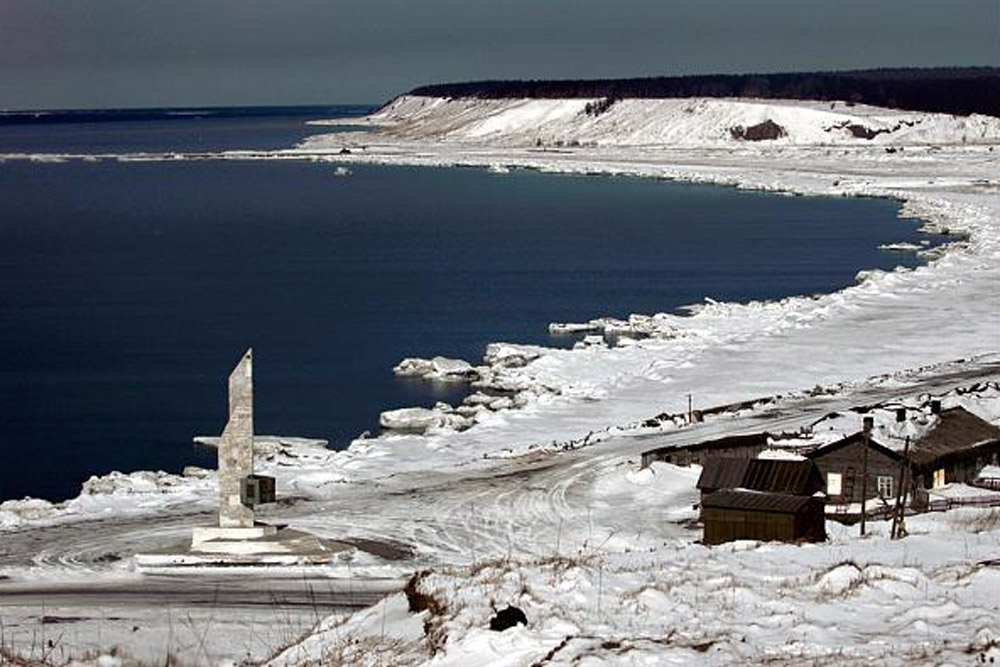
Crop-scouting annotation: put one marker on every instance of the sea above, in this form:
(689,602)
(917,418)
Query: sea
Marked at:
(129,289)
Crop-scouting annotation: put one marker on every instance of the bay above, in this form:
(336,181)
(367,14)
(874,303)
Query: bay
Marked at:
(128,290)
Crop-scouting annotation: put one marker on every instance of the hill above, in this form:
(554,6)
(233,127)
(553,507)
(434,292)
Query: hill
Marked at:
(960,91)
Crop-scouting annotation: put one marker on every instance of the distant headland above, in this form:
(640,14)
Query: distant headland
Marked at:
(955,90)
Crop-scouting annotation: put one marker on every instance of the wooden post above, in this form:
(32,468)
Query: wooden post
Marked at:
(898,521)
(868,423)
(690,411)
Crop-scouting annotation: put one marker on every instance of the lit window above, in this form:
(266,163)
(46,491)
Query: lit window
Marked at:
(885,486)
(833,483)
(939,478)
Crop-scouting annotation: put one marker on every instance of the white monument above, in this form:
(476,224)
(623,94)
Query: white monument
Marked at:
(238,539)
(240,490)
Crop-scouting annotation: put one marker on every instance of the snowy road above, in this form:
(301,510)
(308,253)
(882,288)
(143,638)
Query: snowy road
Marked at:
(219,592)
(533,505)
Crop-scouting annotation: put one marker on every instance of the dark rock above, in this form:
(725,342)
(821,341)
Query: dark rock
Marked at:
(418,601)
(766,131)
(507,618)
(862,132)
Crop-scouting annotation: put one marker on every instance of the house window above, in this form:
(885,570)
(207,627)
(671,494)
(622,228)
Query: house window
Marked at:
(833,483)
(939,478)
(884,486)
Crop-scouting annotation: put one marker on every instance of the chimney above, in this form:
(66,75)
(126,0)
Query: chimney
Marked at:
(935,407)
(900,415)
(868,422)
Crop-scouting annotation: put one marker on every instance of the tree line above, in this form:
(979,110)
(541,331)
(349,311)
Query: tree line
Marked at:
(960,91)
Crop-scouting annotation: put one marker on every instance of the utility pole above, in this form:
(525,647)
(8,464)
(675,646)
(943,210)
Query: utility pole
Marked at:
(898,518)
(867,430)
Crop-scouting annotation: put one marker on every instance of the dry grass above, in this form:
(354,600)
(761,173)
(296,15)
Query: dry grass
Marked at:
(418,601)
(979,522)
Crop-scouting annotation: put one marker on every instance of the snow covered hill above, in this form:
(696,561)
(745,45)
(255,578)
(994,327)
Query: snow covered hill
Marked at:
(678,122)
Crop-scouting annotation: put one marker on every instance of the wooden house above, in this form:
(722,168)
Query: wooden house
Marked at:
(737,446)
(761,499)
(955,449)
(750,515)
(840,464)
(958,447)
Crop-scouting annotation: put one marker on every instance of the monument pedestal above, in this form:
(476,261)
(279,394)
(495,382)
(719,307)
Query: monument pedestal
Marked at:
(260,545)
(253,540)
(203,534)
(237,540)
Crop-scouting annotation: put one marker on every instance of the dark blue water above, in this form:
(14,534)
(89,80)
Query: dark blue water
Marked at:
(128,290)
(164,130)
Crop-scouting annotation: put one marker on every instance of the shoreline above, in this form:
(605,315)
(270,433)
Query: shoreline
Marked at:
(623,329)
(715,165)
(558,479)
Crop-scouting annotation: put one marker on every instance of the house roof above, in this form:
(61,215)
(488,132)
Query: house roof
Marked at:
(755,501)
(829,448)
(957,429)
(742,440)
(771,475)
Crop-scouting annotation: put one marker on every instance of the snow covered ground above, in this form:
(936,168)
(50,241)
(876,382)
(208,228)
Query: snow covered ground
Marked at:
(923,600)
(537,501)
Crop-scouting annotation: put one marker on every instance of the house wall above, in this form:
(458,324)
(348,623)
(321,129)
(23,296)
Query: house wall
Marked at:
(726,525)
(848,461)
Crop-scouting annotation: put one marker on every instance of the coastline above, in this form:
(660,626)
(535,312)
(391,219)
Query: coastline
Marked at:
(950,188)
(565,395)
(553,476)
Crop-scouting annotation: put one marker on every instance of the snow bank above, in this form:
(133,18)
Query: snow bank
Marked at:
(564,123)
(981,399)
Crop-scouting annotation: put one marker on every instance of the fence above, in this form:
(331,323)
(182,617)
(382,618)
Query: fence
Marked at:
(846,515)
(945,504)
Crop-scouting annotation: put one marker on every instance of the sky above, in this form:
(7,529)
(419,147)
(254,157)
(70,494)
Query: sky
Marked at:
(150,53)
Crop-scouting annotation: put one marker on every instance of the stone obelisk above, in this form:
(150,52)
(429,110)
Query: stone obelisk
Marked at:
(236,447)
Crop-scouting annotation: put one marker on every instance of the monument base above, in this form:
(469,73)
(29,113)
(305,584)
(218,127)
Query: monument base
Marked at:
(213,547)
(211,536)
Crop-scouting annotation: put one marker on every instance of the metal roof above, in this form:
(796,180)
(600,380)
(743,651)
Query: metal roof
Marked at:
(777,476)
(755,501)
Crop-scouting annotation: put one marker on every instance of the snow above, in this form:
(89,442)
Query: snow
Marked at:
(919,419)
(780,455)
(409,419)
(438,368)
(922,600)
(530,493)
(664,122)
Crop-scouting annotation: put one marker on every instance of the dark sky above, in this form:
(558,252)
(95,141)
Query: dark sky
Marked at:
(121,53)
